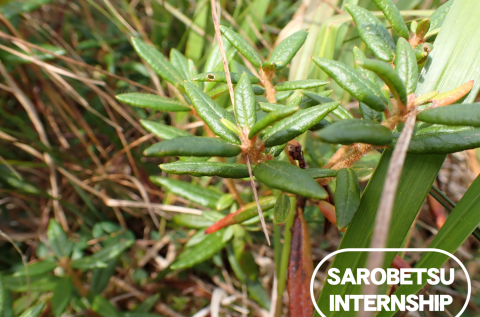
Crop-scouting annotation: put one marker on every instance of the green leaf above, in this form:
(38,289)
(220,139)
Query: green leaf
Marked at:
(245,103)
(281,209)
(270,118)
(406,65)
(269,107)
(158,62)
(282,95)
(321,172)
(210,112)
(153,102)
(225,170)
(103,307)
(372,32)
(191,221)
(193,146)
(438,17)
(300,84)
(101,276)
(393,16)
(180,62)
(353,82)
(224,202)
(443,74)
(286,50)
(58,240)
(356,131)
(99,258)
(438,140)
(347,196)
(389,75)
(290,178)
(421,52)
(231,126)
(34,311)
(200,252)
(461,222)
(37,268)
(367,112)
(422,28)
(456,115)
(218,91)
(146,306)
(221,77)
(163,131)
(197,194)
(291,127)
(61,296)
(258,90)
(242,46)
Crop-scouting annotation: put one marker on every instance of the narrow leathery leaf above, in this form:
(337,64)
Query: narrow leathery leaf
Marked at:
(257,292)
(456,114)
(244,213)
(146,306)
(342,113)
(101,276)
(300,84)
(269,107)
(347,196)
(258,90)
(358,55)
(459,225)
(34,311)
(242,46)
(328,211)
(422,28)
(268,66)
(461,139)
(103,307)
(218,91)
(356,131)
(271,118)
(370,114)
(193,71)
(295,102)
(281,209)
(158,62)
(220,77)
(322,124)
(437,18)
(304,118)
(282,95)
(61,296)
(225,201)
(406,65)
(292,179)
(99,258)
(452,63)
(286,50)
(319,98)
(393,16)
(191,221)
(225,170)
(37,268)
(449,97)
(372,32)
(231,126)
(163,131)
(153,102)
(180,62)
(300,269)
(389,75)
(291,127)
(211,112)
(420,100)
(413,26)
(193,146)
(195,193)
(321,172)
(58,240)
(245,103)
(200,252)
(276,150)
(353,82)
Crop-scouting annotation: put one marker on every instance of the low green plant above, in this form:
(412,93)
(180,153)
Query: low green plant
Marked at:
(256,136)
